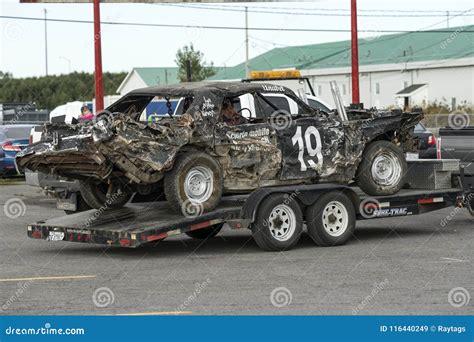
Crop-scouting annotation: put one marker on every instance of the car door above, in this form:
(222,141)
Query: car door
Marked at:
(248,152)
(310,142)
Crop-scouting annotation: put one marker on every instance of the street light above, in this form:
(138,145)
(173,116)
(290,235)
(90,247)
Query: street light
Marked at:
(68,62)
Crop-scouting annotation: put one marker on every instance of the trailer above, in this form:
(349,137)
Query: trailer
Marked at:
(275,215)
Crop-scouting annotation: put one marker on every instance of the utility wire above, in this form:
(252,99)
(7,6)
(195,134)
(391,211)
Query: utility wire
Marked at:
(286,12)
(76,21)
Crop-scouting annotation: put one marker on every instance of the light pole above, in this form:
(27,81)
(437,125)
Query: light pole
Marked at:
(355,54)
(68,62)
(99,90)
(46,41)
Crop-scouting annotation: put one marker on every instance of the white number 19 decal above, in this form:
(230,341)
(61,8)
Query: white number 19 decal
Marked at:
(306,143)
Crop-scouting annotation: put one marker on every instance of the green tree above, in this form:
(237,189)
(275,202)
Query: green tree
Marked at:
(199,68)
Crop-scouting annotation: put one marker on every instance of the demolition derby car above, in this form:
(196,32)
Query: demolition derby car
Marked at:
(229,138)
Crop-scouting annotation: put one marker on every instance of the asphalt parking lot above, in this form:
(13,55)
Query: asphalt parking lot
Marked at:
(392,266)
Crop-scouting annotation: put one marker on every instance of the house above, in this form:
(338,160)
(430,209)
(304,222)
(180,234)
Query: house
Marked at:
(147,77)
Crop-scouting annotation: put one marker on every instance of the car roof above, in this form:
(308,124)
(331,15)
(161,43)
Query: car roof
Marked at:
(225,89)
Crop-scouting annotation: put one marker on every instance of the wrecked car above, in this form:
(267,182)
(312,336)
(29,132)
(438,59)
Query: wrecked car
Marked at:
(215,146)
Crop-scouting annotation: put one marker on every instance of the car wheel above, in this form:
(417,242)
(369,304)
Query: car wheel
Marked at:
(382,170)
(278,224)
(97,195)
(194,185)
(330,221)
(205,233)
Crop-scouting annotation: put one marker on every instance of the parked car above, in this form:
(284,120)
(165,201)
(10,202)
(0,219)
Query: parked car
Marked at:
(426,142)
(13,138)
(201,154)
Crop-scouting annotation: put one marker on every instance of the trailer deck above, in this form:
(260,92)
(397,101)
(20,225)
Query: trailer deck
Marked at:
(137,224)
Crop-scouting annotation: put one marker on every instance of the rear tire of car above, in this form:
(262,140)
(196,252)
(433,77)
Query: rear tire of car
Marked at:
(95,194)
(205,233)
(278,224)
(194,184)
(382,170)
(330,221)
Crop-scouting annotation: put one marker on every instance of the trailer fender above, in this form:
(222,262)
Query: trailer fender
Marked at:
(304,194)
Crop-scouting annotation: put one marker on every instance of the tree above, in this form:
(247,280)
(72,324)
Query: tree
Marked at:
(199,70)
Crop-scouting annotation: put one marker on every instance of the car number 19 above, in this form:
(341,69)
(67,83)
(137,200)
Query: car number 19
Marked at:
(306,145)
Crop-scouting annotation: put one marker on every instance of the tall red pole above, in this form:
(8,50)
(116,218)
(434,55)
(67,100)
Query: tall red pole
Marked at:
(355,54)
(99,90)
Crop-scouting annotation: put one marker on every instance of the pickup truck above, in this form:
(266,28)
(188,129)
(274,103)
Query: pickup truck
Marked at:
(459,144)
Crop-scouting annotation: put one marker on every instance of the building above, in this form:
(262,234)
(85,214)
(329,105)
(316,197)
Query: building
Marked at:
(147,77)
(405,69)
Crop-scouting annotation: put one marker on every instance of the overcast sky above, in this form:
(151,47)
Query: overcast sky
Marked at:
(70,45)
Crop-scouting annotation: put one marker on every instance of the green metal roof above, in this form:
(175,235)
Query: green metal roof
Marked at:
(393,48)
(158,76)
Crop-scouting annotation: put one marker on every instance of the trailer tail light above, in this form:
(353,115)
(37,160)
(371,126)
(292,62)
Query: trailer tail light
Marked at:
(430,200)
(30,139)
(431,140)
(9,147)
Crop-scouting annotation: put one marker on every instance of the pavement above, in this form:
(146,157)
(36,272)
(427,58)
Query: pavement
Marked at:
(412,265)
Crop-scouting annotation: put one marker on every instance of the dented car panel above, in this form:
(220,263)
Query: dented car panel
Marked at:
(310,146)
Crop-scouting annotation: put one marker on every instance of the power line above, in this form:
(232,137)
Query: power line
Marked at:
(282,11)
(75,21)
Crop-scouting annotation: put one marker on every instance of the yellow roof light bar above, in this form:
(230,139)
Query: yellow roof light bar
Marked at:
(275,74)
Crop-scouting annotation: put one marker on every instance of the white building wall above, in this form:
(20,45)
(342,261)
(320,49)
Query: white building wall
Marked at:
(379,84)
(133,82)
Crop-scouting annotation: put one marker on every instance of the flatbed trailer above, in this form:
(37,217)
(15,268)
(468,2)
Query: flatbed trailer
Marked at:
(143,223)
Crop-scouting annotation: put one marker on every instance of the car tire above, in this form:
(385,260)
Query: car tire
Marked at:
(205,233)
(194,184)
(95,195)
(81,205)
(330,221)
(382,170)
(278,224)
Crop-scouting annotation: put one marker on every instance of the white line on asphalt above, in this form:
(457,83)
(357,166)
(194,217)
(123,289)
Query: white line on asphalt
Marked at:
(155,313)
(47,278)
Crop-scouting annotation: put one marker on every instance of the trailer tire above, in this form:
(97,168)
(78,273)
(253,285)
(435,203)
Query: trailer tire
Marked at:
(330,221)
(278,224)
(96,196)
(205,233)
(194,184)
(382,170)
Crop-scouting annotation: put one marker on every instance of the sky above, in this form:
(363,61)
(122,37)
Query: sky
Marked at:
(70,45)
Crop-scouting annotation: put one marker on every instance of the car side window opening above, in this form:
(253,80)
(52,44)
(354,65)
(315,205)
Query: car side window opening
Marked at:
(231,112)
(318,105)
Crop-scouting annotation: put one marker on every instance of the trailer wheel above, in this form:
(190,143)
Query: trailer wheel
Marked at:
(194,185)
(97,195)
(278,224)
(382,170)
(331,219)
(205,233)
